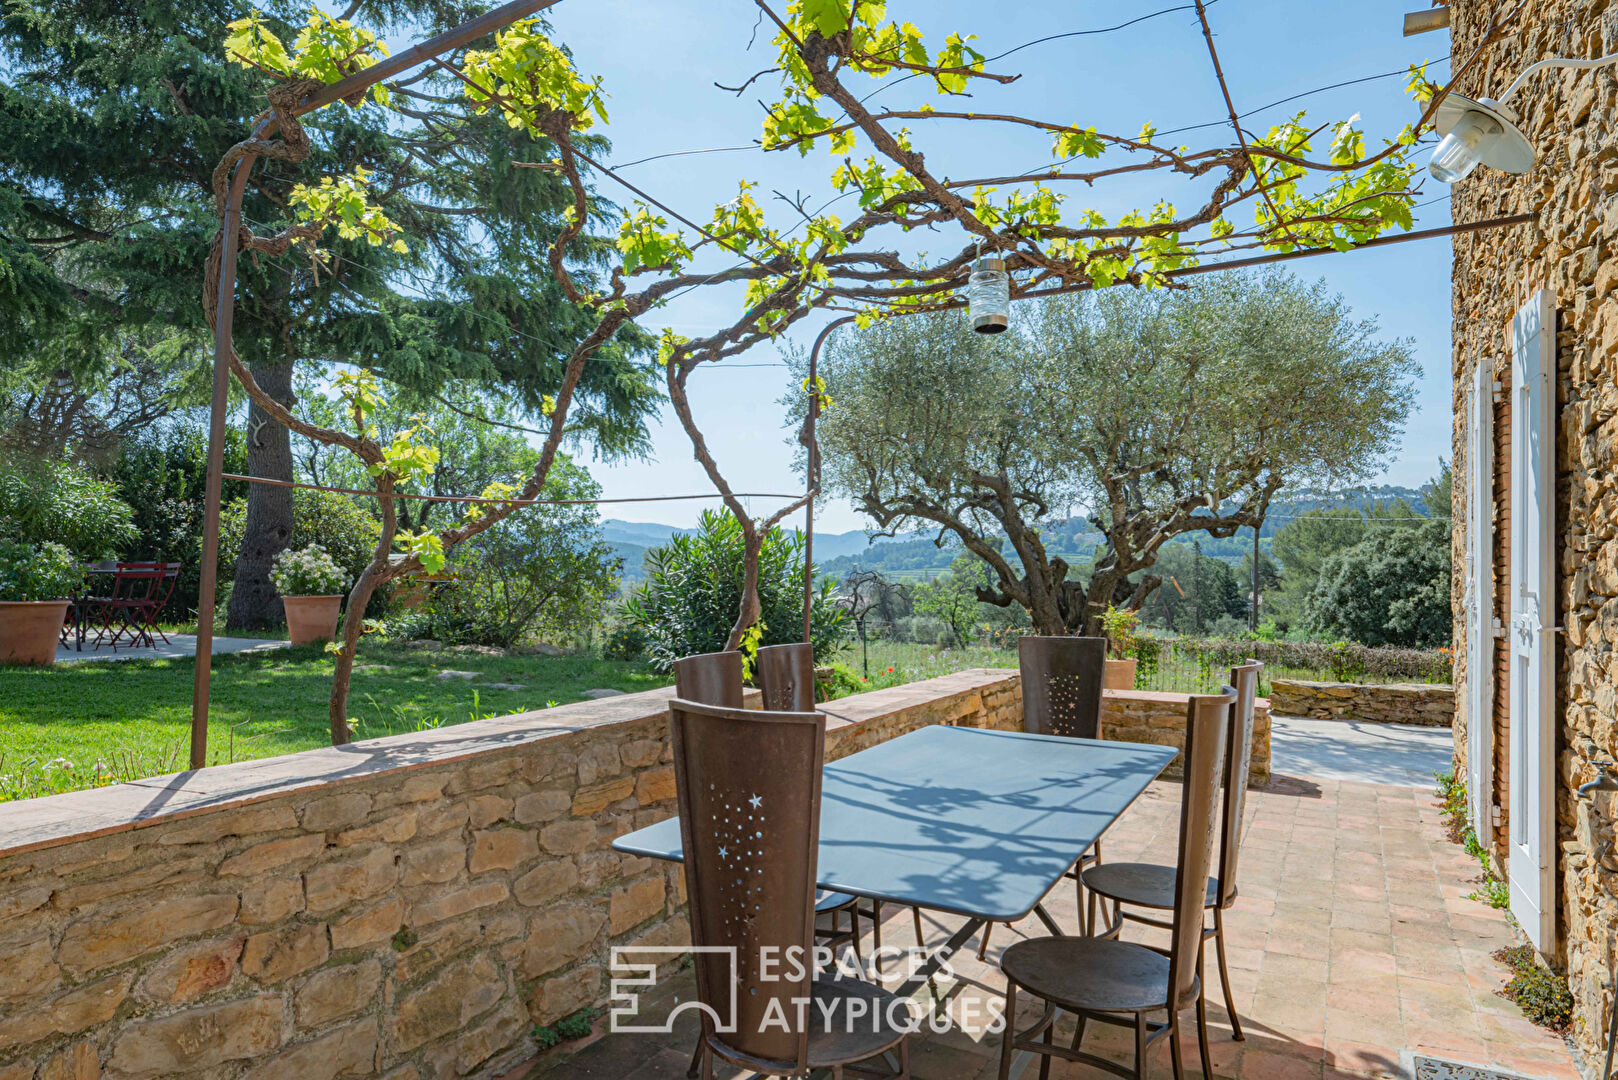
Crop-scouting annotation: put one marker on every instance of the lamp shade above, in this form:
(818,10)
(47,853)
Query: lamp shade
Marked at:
(1477,133)
(988,295)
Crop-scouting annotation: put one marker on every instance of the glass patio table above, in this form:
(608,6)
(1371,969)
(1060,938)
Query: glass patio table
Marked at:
(976,823)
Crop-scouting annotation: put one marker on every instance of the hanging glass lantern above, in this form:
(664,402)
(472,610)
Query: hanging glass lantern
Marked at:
(988,295)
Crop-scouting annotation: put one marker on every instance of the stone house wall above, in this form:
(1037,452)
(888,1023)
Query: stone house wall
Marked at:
(1428,704)
(406,907)
(1572,120)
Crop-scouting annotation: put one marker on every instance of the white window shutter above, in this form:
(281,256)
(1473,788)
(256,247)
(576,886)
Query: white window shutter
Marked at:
(1532,814)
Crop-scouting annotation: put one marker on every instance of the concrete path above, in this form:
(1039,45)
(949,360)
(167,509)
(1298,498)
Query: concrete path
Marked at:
(179,646)
(1353,750)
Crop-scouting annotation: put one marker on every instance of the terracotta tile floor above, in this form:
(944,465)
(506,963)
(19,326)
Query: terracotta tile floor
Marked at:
(1353,940)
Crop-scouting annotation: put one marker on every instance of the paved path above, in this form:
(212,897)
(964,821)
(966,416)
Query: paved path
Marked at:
(178,647)
(1353,750)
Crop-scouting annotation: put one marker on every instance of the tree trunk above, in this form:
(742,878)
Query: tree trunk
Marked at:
(378,573)
(750,609)
(268,531)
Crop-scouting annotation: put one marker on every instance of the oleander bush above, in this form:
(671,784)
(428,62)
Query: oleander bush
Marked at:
(61,503)
(693,588)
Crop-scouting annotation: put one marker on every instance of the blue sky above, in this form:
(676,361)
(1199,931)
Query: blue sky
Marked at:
(660,61)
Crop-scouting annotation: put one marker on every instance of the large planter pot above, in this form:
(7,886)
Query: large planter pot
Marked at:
(1119,675)
(29,630)
(312,618)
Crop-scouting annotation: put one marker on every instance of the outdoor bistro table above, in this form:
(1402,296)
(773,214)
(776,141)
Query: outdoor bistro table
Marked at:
(962,820)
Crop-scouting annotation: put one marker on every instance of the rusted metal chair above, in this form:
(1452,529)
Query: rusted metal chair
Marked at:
(786,678)
(712,678)
(1151,886)
(1061,695)
(748,785)
(1119,982)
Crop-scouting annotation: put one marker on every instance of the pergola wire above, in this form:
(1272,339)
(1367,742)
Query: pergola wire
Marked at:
(427,290)
(942,281)
(484,499)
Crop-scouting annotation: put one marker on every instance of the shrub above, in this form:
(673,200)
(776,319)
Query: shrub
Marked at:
(43,571)
(625,641)
(341,526)
(1542,995)
(1346,657)
(163,475)
(836,681)
(544,572)
(64,504)
(693,589)
(307,571)
(1121,628)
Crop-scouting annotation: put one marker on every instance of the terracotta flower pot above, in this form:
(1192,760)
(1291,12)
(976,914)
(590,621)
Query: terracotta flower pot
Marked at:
(1119,675)
(312,618)
(29,630)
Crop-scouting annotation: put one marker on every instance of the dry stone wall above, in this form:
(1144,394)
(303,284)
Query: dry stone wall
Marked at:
(1428,704)
(1155,717)
(406,908)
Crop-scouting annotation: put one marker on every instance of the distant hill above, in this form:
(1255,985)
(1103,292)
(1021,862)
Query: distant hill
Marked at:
(631,539)
(914,555)
(1075,539)
(643,533)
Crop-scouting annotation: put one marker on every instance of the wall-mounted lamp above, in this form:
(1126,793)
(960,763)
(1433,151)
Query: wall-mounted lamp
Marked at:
(1421,22)
(1485,132)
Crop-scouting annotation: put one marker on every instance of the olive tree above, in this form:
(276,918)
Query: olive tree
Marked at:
(1156,412)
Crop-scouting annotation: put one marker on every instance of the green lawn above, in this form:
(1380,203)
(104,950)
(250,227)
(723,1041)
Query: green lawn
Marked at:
(76,725)
(892,663)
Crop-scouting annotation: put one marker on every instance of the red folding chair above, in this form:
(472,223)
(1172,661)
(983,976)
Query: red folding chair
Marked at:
(135,588)
(160,600)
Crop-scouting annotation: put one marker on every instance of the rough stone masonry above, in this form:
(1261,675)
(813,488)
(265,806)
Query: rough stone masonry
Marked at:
(406,907)
(1572,120)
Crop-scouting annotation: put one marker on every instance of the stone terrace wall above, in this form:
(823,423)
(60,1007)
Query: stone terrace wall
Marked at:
(1430,704)
(407,907)
(1150,716)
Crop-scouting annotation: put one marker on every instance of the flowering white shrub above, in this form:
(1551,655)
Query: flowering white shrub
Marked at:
(307,572)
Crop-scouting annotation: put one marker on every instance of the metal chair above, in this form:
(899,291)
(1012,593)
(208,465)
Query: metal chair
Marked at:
(786,680)
(135,588)
(1151,886)
(786,677)
(1117,982)
(158,599)
(1061,695)
(748,786)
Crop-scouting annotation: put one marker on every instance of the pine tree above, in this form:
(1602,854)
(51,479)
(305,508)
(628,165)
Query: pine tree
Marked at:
(113,115)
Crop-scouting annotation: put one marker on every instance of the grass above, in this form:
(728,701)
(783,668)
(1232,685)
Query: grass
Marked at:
(79,725)
(894,662)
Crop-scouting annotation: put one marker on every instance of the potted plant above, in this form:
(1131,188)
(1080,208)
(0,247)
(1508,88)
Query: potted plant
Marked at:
(1120,626)
(36,581)
(311,585)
